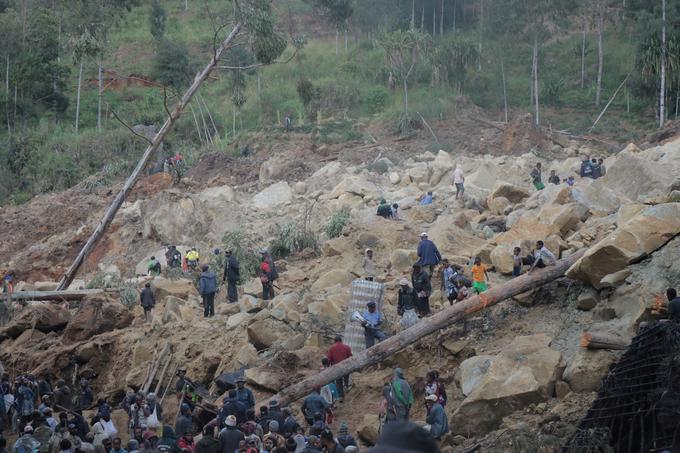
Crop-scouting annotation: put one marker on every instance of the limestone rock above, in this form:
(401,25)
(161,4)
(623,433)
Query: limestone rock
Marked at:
(45,286)
(45,317)
(217,195)
(523,373)
(275,195)
(586,369)
(419,173)
(562,389)
(246,356)
(587,300)
(648,230)
(228,309)
(265,333)
(498,205)
(324,309)
(425,214)
(171,311)
(97,315)
(253,287)
(354,185)
(402,260)
(331,278)
(300,187)
(472,371)
(367,430)
(394,178)
(182,288)
(615,279)
(514,194)
(501,258)
(238,319)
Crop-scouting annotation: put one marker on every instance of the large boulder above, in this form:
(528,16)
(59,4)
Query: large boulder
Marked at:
(331,278)
(514,194)
(354,185)
(273,196)
(251,304)
(523,373)
(641,235)
(45,317)
(172,310)
(501,258)
(402,260)
(419,173)
(97,315)
(637,177)
(181,287)
(173,217)
(268,332)
(587,369)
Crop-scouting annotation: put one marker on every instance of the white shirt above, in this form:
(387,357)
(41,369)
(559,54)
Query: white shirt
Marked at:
(458,176)
(546,255)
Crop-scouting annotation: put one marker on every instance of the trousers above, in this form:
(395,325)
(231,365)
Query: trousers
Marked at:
(208,304)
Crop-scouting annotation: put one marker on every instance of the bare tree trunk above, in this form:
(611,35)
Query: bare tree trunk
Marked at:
(346,41)
(453,27)
(413,15)
(337,41)
(481,33)
(427,326)
(150,150)
(198,129)
(662,89)
(99,96)
(186,5)
(233,120)
(207,111)
(538,121)
(422,20)
(434,22)
(9,128)
(600,51)
(205,124)
(405,97)
(80,81)
(505,93)
(441,20)
(583,55)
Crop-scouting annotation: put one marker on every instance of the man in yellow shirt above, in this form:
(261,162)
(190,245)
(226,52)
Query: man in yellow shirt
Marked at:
(192,258)
(479,276)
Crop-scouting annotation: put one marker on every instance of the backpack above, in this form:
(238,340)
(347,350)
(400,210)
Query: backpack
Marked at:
(157,267)
(466,281)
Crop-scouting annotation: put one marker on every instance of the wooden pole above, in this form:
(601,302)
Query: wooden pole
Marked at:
(601,340)
(55,295)
(427,326)
(162,375)
(150,150)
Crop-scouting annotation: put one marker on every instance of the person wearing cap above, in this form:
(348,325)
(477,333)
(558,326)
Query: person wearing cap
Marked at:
(404,437)
(428,254)
(368,265)
(344,437)
(372,321)
(398,397)
(232,274)
(328,442)
(406,305)
(243,394)
(290,424)
(436,419)
(422,287)
(336,354)
(26,443)
(208,443)
(230,437)
(314,404)
(274,413)
(207,287)
(184,422)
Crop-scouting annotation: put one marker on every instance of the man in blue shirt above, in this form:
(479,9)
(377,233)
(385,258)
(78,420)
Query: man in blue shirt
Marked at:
(372,324)
(427,199)
(428,254)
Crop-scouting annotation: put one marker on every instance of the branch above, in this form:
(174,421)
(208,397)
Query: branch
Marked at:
(258,65)
(165,102)
(115,115)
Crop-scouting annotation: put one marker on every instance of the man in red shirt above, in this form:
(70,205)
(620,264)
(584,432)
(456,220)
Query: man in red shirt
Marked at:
(336,354)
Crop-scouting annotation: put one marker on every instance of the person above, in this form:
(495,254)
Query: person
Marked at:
(368,265)
(49,419)
(26,443)
(184,421)
(406,304)
(553,178)
(329,392)
(673,304)
(45,385)
(536,177)
(288,122)
(148,301)
(542,256)
(43,434)
(480,276)
(328,442)
(314,404)
(458,180)
(426,199)
(586,168)
(596,170)
(139,413)
(516,262)
(571,181)
(336,354)
(193,258)
(62,395)
(428,254)
(384,209)
(290,425)
(273,434)
(373,320)
(117,446)
(318,424)
(436,420)
(109,428)
(434,387)
(8,286)
(268,275)
(344,437)
(232,406)
(168,443)
(274,412)
(449,275)
(153,267)
(207,287)
(155,412)
(186,443)
(232,275)
(399,398)
(422,287)
(25,401)
(230,436)
(395,211)
(172,257)
(603,170)
(244,395)
(208,443)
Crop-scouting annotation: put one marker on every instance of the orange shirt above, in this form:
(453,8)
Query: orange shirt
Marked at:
(478,271)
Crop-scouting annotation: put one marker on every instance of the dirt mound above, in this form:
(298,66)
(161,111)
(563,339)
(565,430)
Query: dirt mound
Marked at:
(218,169)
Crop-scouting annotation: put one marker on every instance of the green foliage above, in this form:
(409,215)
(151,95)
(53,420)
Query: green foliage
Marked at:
(293,238)
(553,89)
(127,290)
(337,224)
(453,59)
(306,91)
(247,255)
(157,19)
(267,44)
(377,99)
(171,64)
(337,12)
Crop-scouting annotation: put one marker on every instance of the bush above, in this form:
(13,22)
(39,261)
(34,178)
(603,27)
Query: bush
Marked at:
(337,224)
(377,99)
(171,64)
(293,238)
(246,255)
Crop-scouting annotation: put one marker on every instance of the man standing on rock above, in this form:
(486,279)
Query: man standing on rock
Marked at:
(373,320)
(536,177)
(314,404)
(244,395)
(148,301)
(336,354)
(458,180)
(406,305)
(398,397)
(268,275)
(428,253)
(422,287)
(207,287)
(232,274)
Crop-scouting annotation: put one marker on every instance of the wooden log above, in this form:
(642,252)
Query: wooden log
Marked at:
(427,326)
(601,340)
(154,369)
(146,157)
(56,295)
(165,392)
(162,375)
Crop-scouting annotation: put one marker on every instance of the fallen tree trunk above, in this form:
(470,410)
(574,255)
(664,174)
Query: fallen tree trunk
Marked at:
(425,327)
(601,340)
(55,295)
(150,150)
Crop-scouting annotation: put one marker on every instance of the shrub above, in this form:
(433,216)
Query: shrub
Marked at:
(377,99)
(171,63)
(293,238)
(246,254)
(337,223)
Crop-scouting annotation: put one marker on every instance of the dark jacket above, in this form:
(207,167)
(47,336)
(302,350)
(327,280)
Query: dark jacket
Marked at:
(207,284)
(421,282)
(235,408)
(246,397)
(183,425)
(428,253)
(276,414)
(674,309)
(168,443)
(438,421)
(207,444)
(586,169)
(232,270)
(229,439)
(314,404)
(147,298)
(406,300)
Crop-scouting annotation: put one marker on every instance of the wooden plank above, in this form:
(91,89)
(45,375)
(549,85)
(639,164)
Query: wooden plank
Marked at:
(56,295)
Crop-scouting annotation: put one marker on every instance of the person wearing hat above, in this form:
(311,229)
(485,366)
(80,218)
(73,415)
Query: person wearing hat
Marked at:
(422,287)
(404,437)
(344,437)
(368,265)
(26,443)
(336,354)
(436,419)
(428,254)
(274,413)
(232,274)
(406,305)
(243,394)
(230,437)
(314,404)
(372,321)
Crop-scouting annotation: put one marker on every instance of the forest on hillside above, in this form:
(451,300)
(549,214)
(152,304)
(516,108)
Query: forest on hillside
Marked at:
(77,73)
